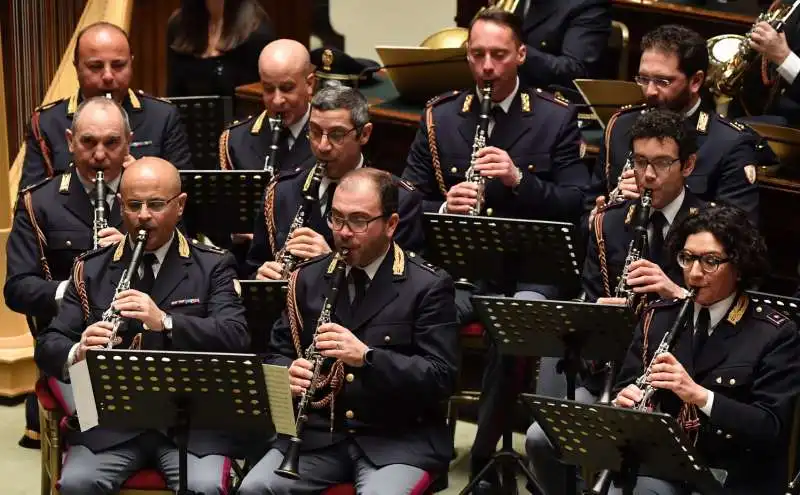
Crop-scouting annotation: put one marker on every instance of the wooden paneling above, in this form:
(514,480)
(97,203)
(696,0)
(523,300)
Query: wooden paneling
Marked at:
(291,18)
(148,35)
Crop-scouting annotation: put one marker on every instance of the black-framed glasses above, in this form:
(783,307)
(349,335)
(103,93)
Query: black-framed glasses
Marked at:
(709,263)
(660,164)
(154,205)
(659,82)
(335,136)
(357,225)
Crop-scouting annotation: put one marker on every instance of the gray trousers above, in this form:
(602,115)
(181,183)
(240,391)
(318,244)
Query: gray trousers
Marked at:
(89,473)
(320,469)
(549,471)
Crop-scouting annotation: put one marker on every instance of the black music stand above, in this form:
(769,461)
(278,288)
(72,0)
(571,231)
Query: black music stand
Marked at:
(209,391)
(551,328)
(492,249)
(264,301)
(625,441)
(222,202)
(204,117)
(789,306)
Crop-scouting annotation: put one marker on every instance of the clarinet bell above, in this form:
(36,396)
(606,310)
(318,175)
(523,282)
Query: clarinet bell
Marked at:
(289,468)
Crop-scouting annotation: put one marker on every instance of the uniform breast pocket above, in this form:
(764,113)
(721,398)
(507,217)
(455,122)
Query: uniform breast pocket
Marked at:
(534,163)
(398,334)
(731,381)
(70,240)
(454,168)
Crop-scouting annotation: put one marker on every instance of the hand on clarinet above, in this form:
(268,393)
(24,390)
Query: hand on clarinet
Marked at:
(612,301)
(271,270)
(461,198)
(628,186)
(305,243)
(494,163)
(96,336)
(647,277)
(139,306)
(300,373)
(628,397)
(335,341)
(110,235)
(669,374)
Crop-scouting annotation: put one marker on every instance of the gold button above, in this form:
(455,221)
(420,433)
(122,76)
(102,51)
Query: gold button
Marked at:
(719,380)
(454,170)
(544,43)
(349,378)
(728,436)
(412,254)
(758,309)
(349,415)
(531,167)
(733,381)
(387,339)
(352,432)
(719,432)
(194,241)
(489,212)
(69,243)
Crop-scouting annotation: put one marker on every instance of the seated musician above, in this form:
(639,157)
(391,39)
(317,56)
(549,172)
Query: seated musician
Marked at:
(338,129)
(737,366)
(672,71)
(287,77)
(182,298)
(53,223)
(663,156)
(103,62)
(532,166)
(392,343)
(781,50)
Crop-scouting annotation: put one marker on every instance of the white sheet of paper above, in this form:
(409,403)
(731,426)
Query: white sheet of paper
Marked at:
(84,395)
(280,399)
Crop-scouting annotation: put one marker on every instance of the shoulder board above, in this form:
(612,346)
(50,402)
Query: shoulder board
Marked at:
(771,315)
(207,248)
(315,259)
(237,123)
(142,94)
(442,98)
(290,173)
(48,106)
(420,261)
(738,126)
(551,97)
(94,252)
(637,107)
(402,183)
(36,185)
(664,303)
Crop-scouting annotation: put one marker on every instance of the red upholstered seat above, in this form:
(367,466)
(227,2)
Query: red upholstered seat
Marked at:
(472,330)
(349,489)
(341,490)
(146,479)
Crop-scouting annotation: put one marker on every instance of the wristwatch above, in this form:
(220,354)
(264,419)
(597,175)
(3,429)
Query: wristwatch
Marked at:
(368,356)
(166,324)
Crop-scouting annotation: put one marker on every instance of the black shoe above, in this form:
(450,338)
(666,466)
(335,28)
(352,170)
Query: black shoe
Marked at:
(29,443)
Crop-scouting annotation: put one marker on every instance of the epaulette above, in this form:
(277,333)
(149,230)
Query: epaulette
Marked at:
(36,185)
(551,97)
(732,123)
(207,247)
(773,316)
(142,94)
(641,107)
(48,106)
(405,184)
(313,260)
(442,98)
(237,123)
(420,261)
(289,173)
(664,303)
(92,252)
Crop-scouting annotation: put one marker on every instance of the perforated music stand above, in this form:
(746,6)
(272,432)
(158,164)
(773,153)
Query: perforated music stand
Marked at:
(574,330)
(494,249)
(789,306)
(626,441)
(264,301)
(197,390)
(205,118)
(221,202)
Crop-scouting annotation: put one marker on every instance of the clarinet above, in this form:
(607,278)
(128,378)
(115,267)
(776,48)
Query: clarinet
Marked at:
(270,164)
(100,213)
(310,199)
(667,344)
(636,248)
(481,135)
(112,315)
(289,466)
(615,196)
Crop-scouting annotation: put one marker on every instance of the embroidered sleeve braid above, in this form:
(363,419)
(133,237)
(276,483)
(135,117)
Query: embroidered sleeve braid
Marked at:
(80,287)
(41,240)
(601,250)
(269,217)
(437,166)
(224,157)
(607,139)
(37,134)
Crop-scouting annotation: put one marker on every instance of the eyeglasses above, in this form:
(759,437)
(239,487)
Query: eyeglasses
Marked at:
(357,225)
(709,263)
(659,82)
(154,205)
(335,136)
(660,164)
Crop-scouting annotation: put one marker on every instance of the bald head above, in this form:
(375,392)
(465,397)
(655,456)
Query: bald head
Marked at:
(153,169)
(284,56)
(101,33)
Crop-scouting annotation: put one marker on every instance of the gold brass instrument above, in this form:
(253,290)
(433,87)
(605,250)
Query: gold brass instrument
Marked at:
(454,37)
(310,200)
(289,466)
(100,213)
(616,196)
(636,248)
(112,315)
(730,55)
(481,136)
(270,164)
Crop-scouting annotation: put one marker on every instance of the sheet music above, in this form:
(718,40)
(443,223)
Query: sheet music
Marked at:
(280,399)
(84,395)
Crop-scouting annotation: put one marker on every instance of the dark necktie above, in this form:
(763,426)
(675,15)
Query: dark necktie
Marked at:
(148,279)
(498,115)
(700,332)
(329,197)
(283,150)
(359,279)
(658,221)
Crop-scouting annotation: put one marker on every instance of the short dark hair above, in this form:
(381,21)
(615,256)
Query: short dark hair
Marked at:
(188,26)
(383,182)
(684,43)
(739,237)
(502,17)
(666,124)
(339,97)
(98,25)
